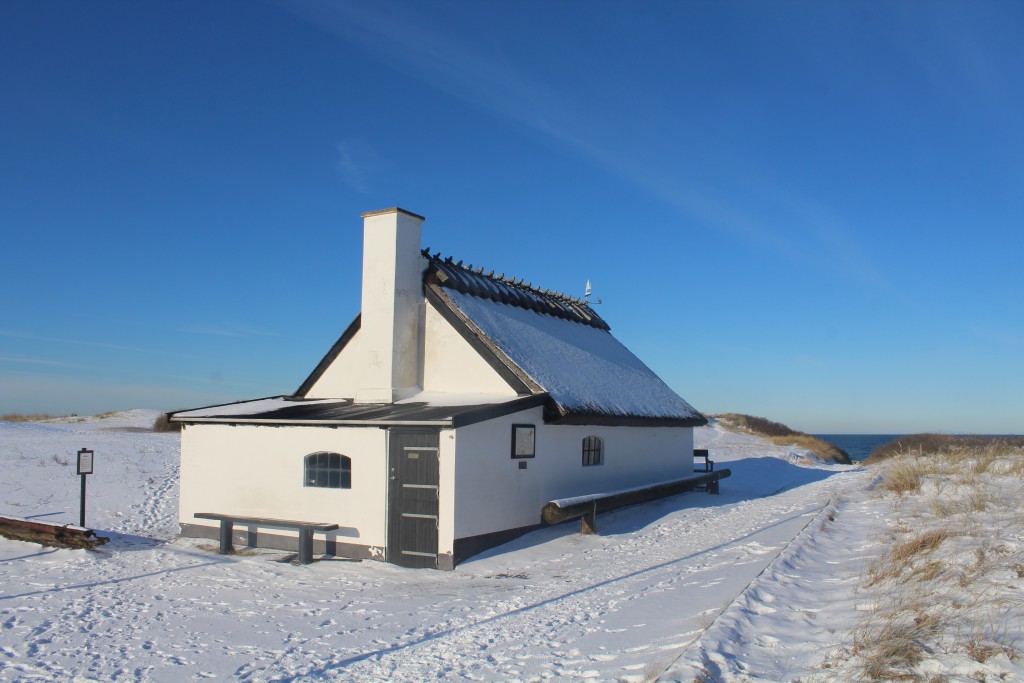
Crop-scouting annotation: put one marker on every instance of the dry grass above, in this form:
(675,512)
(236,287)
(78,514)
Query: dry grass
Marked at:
(896,639)
(948,583)
(901,555)
(947,445)
(19,417)
(782,435)
(822,449)
(905,474)
(162,424)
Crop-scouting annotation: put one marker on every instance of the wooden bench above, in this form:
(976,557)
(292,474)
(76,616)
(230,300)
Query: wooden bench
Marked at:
(305,529)
(708,464)
(587,507)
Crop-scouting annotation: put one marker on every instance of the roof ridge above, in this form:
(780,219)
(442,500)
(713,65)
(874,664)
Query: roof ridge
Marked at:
(450,274)
(508,281)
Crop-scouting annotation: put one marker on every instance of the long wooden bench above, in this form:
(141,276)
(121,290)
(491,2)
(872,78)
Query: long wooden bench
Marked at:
(305,529)
(587,507)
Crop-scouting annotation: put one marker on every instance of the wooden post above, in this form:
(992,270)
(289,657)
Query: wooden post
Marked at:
(81,511)
(227,530)
(305,545)
(588,522)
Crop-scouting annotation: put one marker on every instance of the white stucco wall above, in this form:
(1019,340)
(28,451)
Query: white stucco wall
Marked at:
(344,376)
(258,471)
(451,365)
(392,303)
(445,492)
(492,493)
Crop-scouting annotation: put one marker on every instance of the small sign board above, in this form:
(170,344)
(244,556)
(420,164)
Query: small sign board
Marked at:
(524,441)
(85,461)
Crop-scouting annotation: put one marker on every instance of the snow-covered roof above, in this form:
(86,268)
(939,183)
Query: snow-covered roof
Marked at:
(420,410)
(560,346)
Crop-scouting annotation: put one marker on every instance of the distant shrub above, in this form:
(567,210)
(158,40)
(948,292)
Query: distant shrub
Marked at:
(941,444)
(163,424)
(782,435)
(758,425)
(18,417)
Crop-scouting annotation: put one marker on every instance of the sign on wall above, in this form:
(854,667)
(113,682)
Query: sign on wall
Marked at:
(524,438)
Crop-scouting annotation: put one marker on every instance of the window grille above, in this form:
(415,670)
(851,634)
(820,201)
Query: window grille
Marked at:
(593,451)
(328,470)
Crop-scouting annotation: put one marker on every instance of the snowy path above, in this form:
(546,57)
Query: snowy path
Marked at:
(552,605)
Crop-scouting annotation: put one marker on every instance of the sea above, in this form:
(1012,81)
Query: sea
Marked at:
(858,446)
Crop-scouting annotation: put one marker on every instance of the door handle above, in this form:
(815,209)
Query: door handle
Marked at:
(393,477)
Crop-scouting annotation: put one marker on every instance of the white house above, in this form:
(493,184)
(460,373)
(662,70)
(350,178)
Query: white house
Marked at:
(454,406)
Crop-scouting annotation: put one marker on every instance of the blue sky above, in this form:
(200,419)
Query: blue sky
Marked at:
(808,211)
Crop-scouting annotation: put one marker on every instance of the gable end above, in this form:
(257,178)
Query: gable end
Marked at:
(500,363)
(326,361)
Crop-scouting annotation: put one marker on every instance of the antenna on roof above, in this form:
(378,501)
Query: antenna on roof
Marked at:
(586,295)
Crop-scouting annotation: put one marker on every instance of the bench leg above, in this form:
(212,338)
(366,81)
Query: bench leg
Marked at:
(588,522)
(305,546)
(713,486)
(227,530)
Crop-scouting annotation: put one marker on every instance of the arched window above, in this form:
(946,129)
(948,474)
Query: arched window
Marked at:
(593,451)
(328,470)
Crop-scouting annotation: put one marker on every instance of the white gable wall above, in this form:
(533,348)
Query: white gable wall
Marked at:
(344,376)
(493,494)
(258,471)
(451,365)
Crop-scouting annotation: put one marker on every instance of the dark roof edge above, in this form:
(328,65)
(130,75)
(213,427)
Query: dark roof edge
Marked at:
(489,412)
(499,362)
(480,414)
(606,420)
(172,414)
(326,361)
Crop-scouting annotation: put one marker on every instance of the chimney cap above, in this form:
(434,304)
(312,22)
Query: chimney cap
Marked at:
(393,209)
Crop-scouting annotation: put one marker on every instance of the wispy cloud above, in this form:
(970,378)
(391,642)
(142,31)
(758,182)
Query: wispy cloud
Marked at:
(418,44)
(42,361)
(229,331)
(14,334)
(359,163)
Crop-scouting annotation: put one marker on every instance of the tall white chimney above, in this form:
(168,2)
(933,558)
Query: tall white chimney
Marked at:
(391,305)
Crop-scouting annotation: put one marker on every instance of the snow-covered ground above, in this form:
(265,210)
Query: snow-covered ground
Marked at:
(756,583)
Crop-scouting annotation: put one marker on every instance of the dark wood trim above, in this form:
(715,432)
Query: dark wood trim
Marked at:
(260,539)
(326,361)
(532,454)
(502,364)
(473,545)
(413,542)
(489,412)
(555,417)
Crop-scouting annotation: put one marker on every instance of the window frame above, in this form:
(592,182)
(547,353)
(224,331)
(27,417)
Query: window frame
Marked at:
(592,446)
(326,468)
(524,441)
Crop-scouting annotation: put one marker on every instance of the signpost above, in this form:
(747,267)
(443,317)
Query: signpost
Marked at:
(85,464)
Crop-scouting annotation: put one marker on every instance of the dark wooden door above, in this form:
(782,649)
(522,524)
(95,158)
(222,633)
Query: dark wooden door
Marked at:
(413,497)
